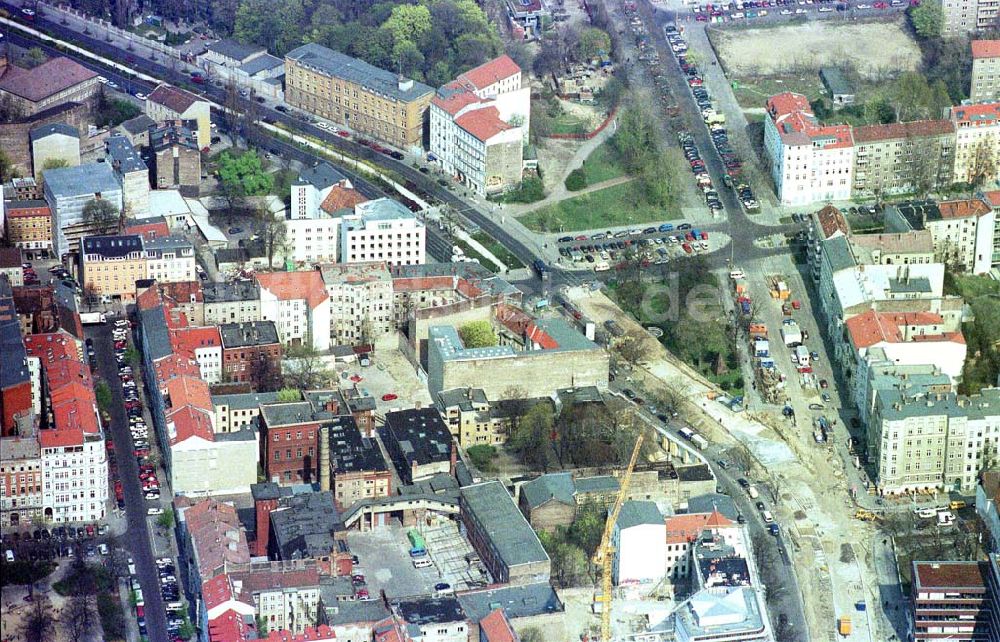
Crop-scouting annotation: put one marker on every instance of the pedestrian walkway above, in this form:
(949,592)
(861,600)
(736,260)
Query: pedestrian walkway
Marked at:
(562,194)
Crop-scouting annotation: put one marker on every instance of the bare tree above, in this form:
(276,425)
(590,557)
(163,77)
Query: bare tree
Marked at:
(306,368)
(38,624)
(273,234)
(982,166)
(78,617)
(634,347)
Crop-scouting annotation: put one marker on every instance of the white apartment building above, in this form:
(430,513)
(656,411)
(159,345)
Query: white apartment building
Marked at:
(478,124)
(964,16)
(809,162)
(312,188)
(978,137)
(75,477)
(934,441)
(962,231)
(683,530)
(286,600)
(205,342)
(298,305)
(312,240)
(361,308)
(170,259)
(908,339)
(382,230)
(639,538)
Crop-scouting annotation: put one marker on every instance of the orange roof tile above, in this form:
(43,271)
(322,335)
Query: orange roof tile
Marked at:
(976,115)
(217,591)
(453,98)
(831,221)
(916,128)
(321,633)
(992,197)
(483,123)
(148,231)
(871,327)
(190,422)
(496,628)
(964,208)
(229,627)
(684,529)
(189,391)
(175,365)
(986,48)
(490,72)
(288,286)
(192,338)
(341,197)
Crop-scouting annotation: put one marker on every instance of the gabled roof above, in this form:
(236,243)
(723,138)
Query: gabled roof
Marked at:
(483,123)
(495,627)
(173,98)
(189,391)
(63,129)
(341,198)
(338,65)
(288,286)
(638,513)
(872,327)
(488,73)
(913,129)
(47,79)
(322,175)
(684,529)
(963,208)
(831,221)
(235,50)
(551,487)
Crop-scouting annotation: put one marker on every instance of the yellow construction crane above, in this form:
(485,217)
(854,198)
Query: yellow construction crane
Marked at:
(605,552)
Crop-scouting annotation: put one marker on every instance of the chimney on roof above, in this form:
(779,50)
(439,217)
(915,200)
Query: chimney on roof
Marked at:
(324,457)
(404,84)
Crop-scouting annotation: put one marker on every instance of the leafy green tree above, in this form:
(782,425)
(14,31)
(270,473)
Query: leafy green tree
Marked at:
(275,24)
(592,42)
(55,163)
(530,441)
(482,457)
(588,527)
(878,111)
(101,216)
(245,174)
(111,112)
(102,392)
(576,180)
(289,394)
(927,19)
(409,22)
(477,334)
(166,520)
(6,167)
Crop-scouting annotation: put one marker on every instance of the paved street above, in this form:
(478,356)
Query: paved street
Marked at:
(136,539)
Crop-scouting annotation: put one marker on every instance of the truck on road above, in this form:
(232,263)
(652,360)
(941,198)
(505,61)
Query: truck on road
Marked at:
(93,318)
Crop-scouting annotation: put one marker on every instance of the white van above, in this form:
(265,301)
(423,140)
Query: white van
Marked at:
(601,266)
(422,562)
(736,274)
(768,517)
(752,491)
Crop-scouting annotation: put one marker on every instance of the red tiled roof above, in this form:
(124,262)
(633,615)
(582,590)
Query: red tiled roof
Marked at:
(213,526)
(831,221)
(185,391)
(992,197)
(684,529)
(964,208)
(216,591)
(490,72)
(455,98)
(148,231)
(288,286)
(71,389)
(182,291)
(796,123)
(986,48)
(175,365)
(14,211)
(229,627)
(483,123)
(495,627)
(787,103)
(270,580)
(173,98)
(192,338)
(536,335)
(981,114)
(190,422)
(943,575)
(149,299)
(341,197)
(871,327)
(870,133)
(48,78)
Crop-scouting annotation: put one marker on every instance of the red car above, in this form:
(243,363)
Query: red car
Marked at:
(343,134)
(363,594)
(796,305)
(389,397)
(356,378)
(687,248)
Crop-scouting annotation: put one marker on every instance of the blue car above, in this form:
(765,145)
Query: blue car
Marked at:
(667,227)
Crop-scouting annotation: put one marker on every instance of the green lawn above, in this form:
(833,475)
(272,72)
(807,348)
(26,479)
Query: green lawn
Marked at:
(602,164)
(498,250)
(613,206)
(566,123)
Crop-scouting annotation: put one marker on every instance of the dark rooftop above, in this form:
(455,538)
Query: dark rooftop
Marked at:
(303,525)
(244,335)
(430,610)
(338,65)
(41,132)
(322,175)
(421,434)
(491,506)
(230,291)
(124,158)
(349,451)
(233,49)
(698,472)
(517,601)
(155,337)
(112,247)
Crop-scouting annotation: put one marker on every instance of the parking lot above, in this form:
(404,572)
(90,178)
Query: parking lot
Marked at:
(455,559)
(384,560)
(653,245)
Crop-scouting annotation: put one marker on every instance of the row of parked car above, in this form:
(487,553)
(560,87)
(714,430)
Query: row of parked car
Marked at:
(170,591)
(715,122)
